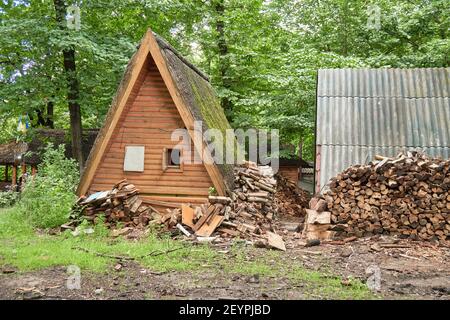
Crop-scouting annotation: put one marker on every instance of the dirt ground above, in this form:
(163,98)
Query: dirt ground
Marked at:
(138,283)
(414,271)
(417,271)
(405,269)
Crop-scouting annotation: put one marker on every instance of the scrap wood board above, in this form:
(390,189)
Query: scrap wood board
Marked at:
(187,215)
(208,228)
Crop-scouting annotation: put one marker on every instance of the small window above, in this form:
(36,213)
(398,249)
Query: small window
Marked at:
(174,157)
(171,159)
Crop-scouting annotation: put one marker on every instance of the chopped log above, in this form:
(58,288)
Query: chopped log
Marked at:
(320,205)
(314,217)
(264,187)
(257,199)
(258,194)
(231,232)
(219,199)
(136,205)
(275,241)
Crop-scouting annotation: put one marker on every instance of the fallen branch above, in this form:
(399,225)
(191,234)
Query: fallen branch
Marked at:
(151,254)
(99,254)
(409,257)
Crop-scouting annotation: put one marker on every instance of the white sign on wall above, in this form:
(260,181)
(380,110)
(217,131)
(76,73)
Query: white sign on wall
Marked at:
(134,158)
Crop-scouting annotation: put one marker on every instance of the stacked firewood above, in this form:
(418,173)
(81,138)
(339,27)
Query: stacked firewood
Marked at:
(255,190)
(248,213)
(121,204)
(407,195)
(317,221)
(290,198)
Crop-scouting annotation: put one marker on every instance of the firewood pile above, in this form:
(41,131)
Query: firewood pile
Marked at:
(290,198)
(406,196)
(121,204)
(317,221)
(248,213)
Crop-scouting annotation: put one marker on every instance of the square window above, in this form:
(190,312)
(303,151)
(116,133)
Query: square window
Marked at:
(134,158)
(172,159)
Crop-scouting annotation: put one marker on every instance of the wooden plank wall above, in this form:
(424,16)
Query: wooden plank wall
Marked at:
(291,173)
(148,119)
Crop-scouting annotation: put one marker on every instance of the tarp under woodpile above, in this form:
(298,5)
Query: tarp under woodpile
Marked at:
(33,148)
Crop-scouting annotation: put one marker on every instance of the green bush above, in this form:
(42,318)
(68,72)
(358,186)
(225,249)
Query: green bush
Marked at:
(8,198)
(48,198)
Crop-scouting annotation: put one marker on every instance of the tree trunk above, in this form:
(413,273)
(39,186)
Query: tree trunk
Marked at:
(222,47)
(73,91)
(40,117)
(50,111)
(45,117)
(344,28)
(300,156)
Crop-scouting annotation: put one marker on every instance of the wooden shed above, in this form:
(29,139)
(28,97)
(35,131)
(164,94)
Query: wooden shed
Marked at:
(159,93)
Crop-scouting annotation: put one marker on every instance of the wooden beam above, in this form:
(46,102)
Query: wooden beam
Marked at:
(23,168)
(14,176)
(33,171)
(162,203)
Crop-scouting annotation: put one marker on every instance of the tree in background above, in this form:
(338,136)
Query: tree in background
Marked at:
(262,56)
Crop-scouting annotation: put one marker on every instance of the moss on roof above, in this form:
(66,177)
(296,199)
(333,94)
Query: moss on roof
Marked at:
(203,103)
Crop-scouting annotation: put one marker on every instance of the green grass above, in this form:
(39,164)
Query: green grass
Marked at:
(22,247)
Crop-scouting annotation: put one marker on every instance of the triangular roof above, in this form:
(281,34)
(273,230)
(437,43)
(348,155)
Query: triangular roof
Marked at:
(194,98)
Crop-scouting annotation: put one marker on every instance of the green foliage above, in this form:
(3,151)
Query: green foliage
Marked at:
(262,56)
(47,198)
(212,191)
(8,198)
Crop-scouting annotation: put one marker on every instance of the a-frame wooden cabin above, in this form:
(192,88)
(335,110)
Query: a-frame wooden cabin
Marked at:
(160,92)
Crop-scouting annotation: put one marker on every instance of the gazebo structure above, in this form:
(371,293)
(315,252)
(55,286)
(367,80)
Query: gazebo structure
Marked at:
(21,157)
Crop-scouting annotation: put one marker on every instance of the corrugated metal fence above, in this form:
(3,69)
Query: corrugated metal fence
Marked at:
(364,112)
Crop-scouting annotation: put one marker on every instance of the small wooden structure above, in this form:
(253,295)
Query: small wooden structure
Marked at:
(292,168)
(11,158)
(160,92)
(20,157)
